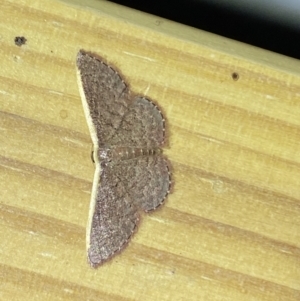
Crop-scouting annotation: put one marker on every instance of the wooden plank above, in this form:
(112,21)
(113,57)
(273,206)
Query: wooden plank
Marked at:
(229,230)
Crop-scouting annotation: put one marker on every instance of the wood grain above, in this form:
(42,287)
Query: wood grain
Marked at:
(231,228)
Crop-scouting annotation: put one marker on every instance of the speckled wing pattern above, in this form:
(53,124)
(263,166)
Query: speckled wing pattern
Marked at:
(122,187)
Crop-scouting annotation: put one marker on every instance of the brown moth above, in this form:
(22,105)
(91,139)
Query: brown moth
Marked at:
(131,174)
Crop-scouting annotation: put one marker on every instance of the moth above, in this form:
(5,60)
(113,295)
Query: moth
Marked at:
(131,174)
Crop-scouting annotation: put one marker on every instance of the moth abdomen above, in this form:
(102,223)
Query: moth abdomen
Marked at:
(127,153)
